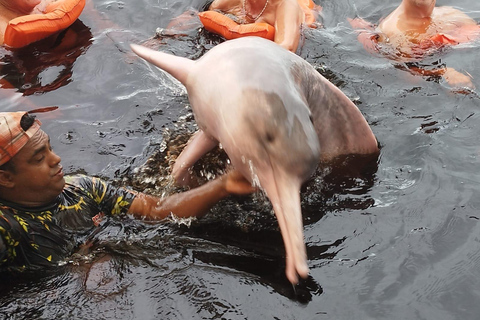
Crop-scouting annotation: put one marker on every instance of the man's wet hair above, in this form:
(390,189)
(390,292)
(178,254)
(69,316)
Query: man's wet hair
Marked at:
(26,122)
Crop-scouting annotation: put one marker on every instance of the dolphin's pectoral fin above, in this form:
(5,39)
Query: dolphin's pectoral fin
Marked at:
(198,145)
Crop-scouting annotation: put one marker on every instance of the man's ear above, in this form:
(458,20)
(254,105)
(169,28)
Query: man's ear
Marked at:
(6,179)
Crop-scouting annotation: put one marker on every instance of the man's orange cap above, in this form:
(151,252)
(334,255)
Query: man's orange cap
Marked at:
(12,137)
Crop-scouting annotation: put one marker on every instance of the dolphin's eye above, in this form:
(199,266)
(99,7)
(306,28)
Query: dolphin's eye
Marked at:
(270,137)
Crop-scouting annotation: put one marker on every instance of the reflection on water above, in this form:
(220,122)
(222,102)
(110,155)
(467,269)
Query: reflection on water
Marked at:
(395,241)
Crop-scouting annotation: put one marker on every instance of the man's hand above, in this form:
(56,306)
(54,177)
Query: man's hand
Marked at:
(40,8)
(457,79)
(366,34)
(235,183)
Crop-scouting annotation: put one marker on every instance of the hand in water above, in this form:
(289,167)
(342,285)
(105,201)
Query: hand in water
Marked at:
(237,184)
(457,79)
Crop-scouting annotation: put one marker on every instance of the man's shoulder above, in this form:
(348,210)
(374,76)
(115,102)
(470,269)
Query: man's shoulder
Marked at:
(95,187)
(82,180)
(445,10)
(80,183)
(4,209)
(77,179)
(451,15)
(389,25)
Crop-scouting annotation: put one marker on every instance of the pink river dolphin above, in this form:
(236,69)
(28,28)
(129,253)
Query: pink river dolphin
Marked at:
(276,118)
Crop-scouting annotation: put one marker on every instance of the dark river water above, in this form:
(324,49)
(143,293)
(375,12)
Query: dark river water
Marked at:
(399,241)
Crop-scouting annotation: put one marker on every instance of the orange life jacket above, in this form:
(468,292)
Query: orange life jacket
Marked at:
(27,29)
(220,24)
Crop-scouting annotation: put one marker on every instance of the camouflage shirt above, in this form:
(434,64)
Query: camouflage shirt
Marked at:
(38,237)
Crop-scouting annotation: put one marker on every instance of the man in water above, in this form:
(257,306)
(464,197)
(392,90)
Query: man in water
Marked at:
(417,28)
(45,217)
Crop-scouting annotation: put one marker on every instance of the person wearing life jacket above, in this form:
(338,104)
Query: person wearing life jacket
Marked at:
(285,16)
(415,29)
(11,9)
(22,71)
(277,20)
(46,26)
(23,22)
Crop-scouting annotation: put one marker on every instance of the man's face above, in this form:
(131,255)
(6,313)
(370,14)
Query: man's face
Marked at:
(38,174)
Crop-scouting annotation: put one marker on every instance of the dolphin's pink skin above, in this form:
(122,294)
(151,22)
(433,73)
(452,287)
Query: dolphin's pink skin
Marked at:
(275,116)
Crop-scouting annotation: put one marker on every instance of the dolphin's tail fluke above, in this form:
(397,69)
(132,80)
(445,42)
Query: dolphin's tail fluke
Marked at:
(178,67)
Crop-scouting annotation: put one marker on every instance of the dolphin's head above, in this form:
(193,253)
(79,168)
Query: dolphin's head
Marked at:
(275,144)
(281,133)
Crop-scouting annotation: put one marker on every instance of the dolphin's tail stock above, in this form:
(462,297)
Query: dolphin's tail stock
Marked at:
(178,67)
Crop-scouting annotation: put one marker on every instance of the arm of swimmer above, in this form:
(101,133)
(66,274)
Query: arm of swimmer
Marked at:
(466,33)
(289,17)
(360,23)
(369,41)
(453,77)
(98,20)
(185,22)
(457,79)
(179,26)
(192,203)
(366,34)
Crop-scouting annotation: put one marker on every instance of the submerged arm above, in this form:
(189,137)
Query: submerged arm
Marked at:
(367,35)
(454,78)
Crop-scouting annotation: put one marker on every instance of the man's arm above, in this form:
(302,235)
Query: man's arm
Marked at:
(192,203)
(454,78)
(288,19)
(366,34)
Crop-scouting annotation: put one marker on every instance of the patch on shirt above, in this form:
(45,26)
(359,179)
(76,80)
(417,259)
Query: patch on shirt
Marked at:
(98,219)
